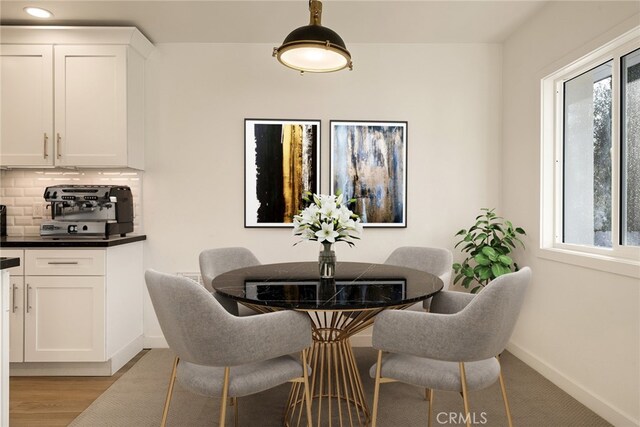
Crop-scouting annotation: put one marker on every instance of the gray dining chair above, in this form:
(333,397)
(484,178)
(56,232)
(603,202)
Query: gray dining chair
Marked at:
(455,349)
(437,261)
(214,262)
(221,355)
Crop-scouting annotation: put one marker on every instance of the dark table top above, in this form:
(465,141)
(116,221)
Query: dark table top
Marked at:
(357,286)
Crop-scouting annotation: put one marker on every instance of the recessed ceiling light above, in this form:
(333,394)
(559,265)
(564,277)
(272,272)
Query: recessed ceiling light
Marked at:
(38,12)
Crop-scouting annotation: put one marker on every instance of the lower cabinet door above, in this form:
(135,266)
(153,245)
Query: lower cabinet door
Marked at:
(16,320)
(64,319)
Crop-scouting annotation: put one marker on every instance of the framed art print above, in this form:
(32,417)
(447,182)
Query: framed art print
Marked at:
(369,164)
(282,161)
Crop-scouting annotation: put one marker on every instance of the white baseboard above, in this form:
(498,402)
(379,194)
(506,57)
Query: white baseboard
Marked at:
(120,358)
(591,400)
(75,369)
(155,342)
(56,369)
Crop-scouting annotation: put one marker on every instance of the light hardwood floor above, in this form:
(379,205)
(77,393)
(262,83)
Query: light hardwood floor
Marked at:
(56,401)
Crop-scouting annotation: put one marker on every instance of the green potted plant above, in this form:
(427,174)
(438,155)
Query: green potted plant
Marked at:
(488,244)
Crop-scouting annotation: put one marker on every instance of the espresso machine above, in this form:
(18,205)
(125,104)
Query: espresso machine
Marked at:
(88,210)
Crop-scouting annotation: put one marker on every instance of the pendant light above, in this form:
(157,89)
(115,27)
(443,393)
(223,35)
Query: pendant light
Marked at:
(314,48)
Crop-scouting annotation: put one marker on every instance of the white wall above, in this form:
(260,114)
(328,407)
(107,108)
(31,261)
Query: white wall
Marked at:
(579,327)
(198,96)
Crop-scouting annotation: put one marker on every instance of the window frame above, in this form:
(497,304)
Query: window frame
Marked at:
(619,258)
(623,160)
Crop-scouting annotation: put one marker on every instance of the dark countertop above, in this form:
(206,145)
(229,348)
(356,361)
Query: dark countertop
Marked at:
(9,262)
(77,242)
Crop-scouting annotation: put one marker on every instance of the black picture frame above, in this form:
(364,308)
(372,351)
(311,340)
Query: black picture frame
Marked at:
(369,163)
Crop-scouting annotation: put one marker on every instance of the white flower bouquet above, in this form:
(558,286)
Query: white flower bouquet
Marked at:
(327,219)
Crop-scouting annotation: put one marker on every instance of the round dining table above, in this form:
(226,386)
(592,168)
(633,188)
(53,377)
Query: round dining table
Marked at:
(338,308)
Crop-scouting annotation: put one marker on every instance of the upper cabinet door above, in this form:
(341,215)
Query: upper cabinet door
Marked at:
(26,84)
(91,105)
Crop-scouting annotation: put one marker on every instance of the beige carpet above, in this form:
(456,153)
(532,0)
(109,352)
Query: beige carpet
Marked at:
(137,399)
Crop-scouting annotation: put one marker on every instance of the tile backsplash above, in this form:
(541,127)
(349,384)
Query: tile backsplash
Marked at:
(22,191)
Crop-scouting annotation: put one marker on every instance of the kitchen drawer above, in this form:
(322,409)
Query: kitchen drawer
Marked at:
(14,253)
(64,262)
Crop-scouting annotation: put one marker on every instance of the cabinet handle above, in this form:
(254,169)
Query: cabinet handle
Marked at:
(46,140)
(62,262)
(58,151)
(14,307)
(28,299)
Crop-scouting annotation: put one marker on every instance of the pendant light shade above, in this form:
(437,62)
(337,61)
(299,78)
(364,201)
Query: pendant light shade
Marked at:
(314,48)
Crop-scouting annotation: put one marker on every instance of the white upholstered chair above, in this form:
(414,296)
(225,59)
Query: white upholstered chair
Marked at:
(221,355)
(456,347)
(214,262)
(437,261)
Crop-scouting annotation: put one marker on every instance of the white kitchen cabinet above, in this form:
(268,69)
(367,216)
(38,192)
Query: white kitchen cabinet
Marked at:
(16,306)
(64,305)
(64,319)
(98,120)
(90,79)
(16,320)
(77,311)
(4,347)
(26,88)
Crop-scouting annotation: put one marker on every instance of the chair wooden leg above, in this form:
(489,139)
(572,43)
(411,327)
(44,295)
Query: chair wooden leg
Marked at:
(504,396)
(463,380)
(167,401)
(426,393)
(225,396)
(307,394)
(376,390)
(430,407)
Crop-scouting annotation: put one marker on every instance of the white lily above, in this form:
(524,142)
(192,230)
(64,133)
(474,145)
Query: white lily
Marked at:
(359,226)
(328,210)
(298,226)
(308,234)
(310,214)
(344,214)
(327,233)
(326,199)
(327,219)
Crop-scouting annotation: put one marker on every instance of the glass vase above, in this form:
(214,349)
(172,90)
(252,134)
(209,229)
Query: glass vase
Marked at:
(327,261)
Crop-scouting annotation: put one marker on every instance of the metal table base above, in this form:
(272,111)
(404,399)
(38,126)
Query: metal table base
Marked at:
(337,393)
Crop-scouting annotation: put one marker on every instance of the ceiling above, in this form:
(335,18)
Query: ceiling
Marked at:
(263,21)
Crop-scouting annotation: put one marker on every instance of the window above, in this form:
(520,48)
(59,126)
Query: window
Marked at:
(587,158)
(631,149)
(591,154)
